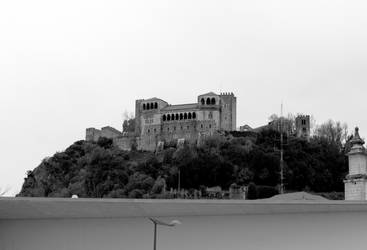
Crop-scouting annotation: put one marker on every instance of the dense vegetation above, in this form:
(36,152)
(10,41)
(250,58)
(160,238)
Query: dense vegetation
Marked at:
(101,170)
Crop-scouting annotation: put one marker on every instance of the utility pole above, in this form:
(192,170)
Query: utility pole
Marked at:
(281,152)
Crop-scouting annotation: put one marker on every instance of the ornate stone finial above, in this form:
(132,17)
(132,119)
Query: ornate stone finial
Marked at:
(356,138)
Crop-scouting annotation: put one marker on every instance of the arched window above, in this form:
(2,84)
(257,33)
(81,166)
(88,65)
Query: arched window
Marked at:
(208,101)
(143,106)
(185,116)
(202,101)
(181,116)
(147,106)
(168,117)
(210,116)
(164,117)
(193,115)
(189,116)
(213,101)
(177,117)
(155,105)
(151,106)
(172,117)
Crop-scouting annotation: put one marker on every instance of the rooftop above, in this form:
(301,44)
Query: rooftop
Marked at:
(63,208)
(180,106)
(210,93)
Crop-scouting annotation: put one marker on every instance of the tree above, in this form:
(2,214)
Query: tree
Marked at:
(288,123)
(129,123)
(251,191)
(334,132)
(159,186)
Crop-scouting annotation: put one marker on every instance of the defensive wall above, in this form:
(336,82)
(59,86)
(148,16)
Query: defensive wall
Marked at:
(124,141)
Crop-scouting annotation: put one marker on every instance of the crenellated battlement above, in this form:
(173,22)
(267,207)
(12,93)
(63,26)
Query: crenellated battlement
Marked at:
(303,117)
(226,93)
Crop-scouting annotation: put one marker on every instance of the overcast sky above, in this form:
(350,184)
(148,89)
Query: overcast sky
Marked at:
(69,65)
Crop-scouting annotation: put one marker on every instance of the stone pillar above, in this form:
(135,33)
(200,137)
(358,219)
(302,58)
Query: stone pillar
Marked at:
(355,182)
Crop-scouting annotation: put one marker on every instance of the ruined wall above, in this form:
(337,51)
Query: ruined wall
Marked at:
(124,142)
(110,132)
(92,134)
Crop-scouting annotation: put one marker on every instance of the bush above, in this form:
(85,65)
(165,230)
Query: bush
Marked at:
(333,195)
(136,194)
(251,191)
(264,192)
(119,193)
(105,142)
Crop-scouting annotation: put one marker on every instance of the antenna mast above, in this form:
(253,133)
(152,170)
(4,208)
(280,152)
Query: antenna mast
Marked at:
(281,151)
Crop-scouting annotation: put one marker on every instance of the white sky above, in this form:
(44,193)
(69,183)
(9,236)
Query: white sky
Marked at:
(68,65)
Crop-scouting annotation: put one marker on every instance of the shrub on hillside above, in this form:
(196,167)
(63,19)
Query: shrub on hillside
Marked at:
(264,192)
(251,191)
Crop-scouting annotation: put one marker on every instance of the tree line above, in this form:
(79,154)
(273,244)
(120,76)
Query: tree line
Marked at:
(99,169)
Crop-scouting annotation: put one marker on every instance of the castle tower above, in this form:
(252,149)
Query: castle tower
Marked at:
(138,110)
(303,127)
(355,182)
(228,107)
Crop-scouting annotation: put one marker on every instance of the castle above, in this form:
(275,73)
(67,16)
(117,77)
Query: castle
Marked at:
(157,122)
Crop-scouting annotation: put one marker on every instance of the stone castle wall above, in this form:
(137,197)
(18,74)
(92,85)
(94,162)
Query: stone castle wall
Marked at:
(93,134)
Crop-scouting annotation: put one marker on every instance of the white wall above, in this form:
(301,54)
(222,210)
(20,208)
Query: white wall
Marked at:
(254,232)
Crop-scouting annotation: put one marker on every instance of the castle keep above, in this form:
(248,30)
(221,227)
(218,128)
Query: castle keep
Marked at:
(157,122)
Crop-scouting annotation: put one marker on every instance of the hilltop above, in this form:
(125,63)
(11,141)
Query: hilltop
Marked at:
(99,169)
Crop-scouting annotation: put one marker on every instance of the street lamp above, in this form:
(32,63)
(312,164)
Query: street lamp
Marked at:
(158,222)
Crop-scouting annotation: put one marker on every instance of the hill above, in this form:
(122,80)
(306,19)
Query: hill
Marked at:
(100,169)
